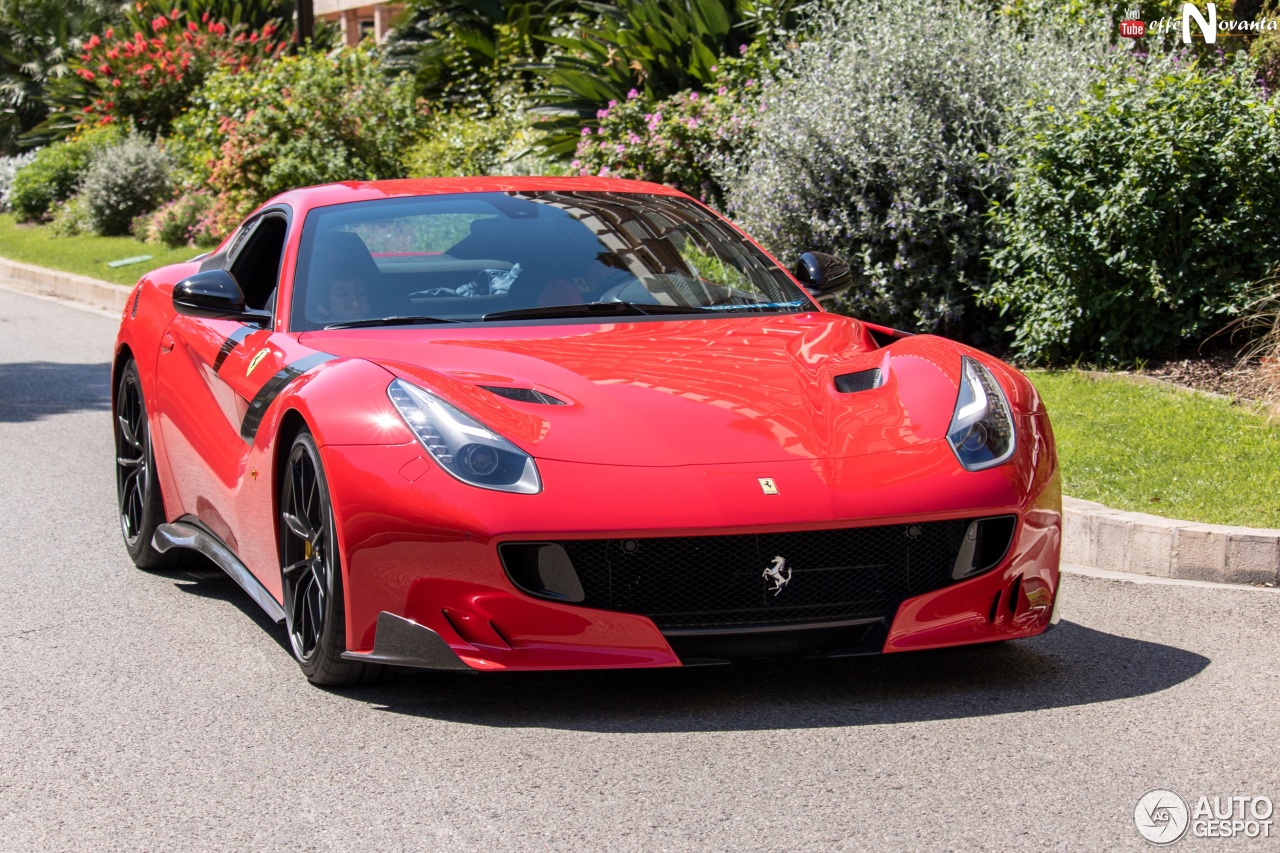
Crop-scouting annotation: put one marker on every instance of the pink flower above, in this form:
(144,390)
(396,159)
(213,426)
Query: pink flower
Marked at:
(714,69)
(612,104)
(693,96)
(633,139)
(632,95)
(742,49)
(751,83)
(576,164)
(722,91)
(602,113)
(620,148)
(691,123)
(586,131)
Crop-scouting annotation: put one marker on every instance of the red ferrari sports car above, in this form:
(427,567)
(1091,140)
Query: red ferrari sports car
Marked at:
(559,423)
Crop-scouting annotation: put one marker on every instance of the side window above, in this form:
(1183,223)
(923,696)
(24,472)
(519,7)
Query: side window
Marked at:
(257,263)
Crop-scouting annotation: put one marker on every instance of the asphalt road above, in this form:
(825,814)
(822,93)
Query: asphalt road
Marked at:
(159,712)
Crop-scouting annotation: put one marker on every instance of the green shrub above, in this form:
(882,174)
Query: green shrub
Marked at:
(71,217)
(124,181)
(879,143)
(1139,219)
(185,221)
(464,142)
(55,174)
(303,120)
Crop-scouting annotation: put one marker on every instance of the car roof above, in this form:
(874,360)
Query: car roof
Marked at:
(349,191)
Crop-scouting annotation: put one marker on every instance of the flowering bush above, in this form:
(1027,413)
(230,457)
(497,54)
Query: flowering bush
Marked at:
(1140,218)
(185,221)
(55,174)
(879,142)
(148,77)
(682,140)
(301,120)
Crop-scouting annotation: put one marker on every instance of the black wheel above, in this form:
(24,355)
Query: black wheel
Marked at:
(137,489)
(312,572)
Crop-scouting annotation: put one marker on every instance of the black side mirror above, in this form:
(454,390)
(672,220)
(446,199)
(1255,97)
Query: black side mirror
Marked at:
(824,276)
(215,294)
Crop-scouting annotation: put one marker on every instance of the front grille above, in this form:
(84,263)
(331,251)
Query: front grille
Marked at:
(694,582)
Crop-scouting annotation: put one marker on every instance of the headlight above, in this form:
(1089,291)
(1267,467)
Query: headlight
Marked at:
(981,431)
(464,447)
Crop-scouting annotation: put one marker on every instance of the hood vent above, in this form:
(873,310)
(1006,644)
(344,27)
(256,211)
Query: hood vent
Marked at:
(524,395)
(863,380)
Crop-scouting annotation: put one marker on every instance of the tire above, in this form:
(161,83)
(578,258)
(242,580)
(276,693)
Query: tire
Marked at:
(138,498)
(311,572)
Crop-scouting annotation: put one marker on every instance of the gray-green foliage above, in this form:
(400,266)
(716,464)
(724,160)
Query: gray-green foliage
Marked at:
(125,180)
(1140,218)
(879,142)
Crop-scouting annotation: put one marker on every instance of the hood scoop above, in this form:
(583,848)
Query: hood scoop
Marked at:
(524,395)
(863,380)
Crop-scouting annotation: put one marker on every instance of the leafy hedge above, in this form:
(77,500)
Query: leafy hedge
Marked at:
(1140,218)
(302,120)
(56,173)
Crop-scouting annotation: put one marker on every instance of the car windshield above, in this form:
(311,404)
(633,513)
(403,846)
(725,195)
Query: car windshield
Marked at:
(505,256)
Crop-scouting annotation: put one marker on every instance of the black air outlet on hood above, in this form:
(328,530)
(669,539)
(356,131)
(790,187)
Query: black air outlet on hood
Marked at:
(524,395)
(863,380)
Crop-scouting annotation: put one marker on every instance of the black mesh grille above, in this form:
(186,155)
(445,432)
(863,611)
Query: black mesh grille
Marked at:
(720,581)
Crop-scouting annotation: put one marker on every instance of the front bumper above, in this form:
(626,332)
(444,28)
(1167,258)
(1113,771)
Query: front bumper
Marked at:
(422,548)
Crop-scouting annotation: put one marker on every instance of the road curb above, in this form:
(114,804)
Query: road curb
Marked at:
(29,278)
(1100,537)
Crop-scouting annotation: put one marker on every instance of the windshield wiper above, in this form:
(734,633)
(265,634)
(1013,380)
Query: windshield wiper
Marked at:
(593,309)
(389,321)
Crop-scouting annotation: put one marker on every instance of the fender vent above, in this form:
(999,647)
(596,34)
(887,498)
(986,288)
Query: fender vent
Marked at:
(524,395)
(863,380)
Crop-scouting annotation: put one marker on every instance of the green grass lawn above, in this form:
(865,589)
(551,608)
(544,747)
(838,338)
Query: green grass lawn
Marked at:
(86,254)
(1162,451)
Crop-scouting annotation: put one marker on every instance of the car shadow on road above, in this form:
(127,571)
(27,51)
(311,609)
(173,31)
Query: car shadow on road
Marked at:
(33,390)
(198,575)
(1071,665)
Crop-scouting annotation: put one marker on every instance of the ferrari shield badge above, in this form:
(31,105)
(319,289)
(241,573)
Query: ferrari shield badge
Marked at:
(768,486)
(778,573)
(257,357)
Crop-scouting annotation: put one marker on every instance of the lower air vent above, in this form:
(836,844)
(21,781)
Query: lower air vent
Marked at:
(986,541)
(524,395)
(863,380)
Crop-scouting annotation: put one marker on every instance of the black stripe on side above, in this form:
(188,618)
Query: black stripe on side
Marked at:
(133,312)
(237,338)
(264,398)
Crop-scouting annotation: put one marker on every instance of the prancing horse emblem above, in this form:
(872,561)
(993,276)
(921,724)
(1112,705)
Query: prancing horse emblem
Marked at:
(775,574)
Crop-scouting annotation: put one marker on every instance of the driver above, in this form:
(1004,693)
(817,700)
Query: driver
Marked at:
(341,298)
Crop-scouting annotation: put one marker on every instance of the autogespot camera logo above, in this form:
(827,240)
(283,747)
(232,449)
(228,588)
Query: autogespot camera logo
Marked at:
(1161,816)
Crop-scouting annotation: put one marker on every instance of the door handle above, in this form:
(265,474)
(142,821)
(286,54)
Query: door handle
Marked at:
(166,343)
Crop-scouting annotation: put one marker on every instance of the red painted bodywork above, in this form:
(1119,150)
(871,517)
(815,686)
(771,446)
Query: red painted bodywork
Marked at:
(668,427)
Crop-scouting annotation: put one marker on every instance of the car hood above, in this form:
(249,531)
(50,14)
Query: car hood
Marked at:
(678,392)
